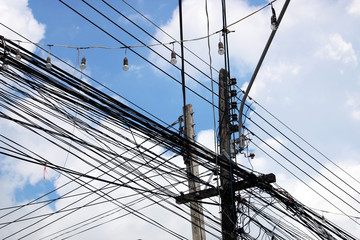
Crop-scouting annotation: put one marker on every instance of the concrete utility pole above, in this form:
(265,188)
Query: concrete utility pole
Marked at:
(228,213)
(228,187)
(196,211)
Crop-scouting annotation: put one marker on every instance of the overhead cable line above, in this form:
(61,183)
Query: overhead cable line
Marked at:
(302,181)
(75,69)
(305,141)
(109,153)
(136,53)
(309,155)
(146,45)
(306,173)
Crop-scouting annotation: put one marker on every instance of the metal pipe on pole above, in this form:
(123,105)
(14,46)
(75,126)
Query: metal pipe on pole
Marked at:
(256,72)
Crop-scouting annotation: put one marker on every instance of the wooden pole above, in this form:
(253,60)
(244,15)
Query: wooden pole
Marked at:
(196,211)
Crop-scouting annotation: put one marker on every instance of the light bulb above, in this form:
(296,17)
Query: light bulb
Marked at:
(221,48)
(83,63)
(18,56)
(48,63)
(126,67)
(323,219)
(5,66)
(126,64)
(173,58)
(274,23)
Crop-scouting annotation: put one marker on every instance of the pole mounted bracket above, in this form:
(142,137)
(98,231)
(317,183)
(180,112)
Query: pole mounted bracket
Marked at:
(252,181)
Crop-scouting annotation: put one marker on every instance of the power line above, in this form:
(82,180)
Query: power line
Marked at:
(64,134)
(327,200)
(145,45)
(72,139)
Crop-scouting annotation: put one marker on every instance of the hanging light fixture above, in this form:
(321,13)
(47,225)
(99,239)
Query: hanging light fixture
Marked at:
(173,56)
(4,66)
(48,63)
(3,57)
(221,48)
(48,60)
(83,63)
(126,64)
(274,23)
(18,56)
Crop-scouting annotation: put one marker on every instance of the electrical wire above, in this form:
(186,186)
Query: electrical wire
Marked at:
(147,45)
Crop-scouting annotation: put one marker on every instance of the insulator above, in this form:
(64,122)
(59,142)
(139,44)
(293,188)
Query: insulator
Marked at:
(233,128)
(233,93)
(232,81)
(234,117)
(233,105)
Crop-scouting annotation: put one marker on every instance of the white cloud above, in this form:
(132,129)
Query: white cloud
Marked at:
(16,174)
(354,7)
(275,143)
(309,79)
(353,104)
(338,50)
(340,203)
(356,114)
(206,138)
(18,16)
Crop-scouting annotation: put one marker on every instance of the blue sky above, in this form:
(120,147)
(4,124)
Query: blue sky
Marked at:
(143,85)
(310,78)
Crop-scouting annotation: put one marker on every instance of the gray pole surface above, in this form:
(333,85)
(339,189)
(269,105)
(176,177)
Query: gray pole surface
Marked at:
(196,211)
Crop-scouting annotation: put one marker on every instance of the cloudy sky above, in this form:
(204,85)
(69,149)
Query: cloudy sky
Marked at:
(310,81)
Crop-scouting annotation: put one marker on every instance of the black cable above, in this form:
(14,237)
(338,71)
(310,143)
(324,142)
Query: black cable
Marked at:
(136,53)
(182,56)
(297,176)
(306,173)
(89,77)
(167,34)
(282,123)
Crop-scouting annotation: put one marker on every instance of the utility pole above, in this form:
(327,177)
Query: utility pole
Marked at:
(228,186)
(196,211)
(228,211)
